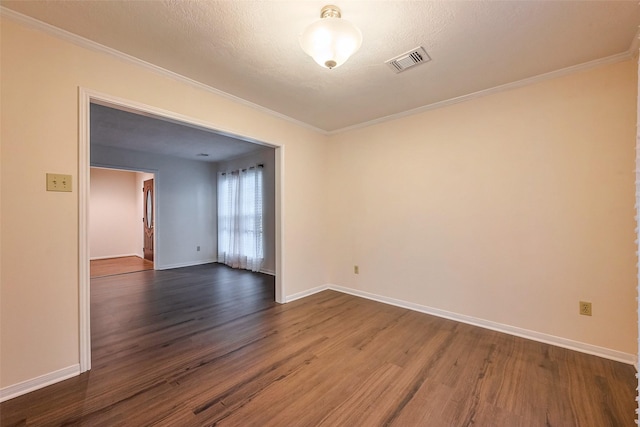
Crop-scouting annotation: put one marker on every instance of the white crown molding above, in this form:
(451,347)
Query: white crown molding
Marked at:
(88,44)
(491,91)
(39,382)
(97,47)
(581,347)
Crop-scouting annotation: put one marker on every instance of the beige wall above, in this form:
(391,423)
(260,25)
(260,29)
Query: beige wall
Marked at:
(509,208)
(115,209)
(39,94)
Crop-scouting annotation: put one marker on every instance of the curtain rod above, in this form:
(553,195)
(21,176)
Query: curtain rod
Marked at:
(259,165)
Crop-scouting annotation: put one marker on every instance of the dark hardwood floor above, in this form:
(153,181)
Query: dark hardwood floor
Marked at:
(207,345)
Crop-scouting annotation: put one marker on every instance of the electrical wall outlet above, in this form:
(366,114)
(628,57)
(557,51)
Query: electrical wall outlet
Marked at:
(356,269)
(58,182)
(198,248)
(585,308)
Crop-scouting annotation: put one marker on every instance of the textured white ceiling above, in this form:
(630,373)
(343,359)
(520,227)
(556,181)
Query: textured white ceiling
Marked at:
(250,48)
(121,129)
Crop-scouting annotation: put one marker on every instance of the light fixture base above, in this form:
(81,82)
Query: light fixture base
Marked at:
(330,11)
(330,64)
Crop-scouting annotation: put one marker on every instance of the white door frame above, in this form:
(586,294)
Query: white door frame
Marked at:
(86,97)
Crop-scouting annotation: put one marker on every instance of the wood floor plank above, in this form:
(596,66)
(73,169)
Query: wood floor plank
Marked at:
(207,345)
(118,265)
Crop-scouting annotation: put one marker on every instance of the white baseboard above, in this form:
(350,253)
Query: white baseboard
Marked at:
(53,377)
(594,350)
(34,384)
(93,258)
(262,270)
(308,292)
(184,264)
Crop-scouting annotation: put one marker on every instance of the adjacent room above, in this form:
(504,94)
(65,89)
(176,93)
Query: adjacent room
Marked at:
(174,222)
(117,236)
(436,205)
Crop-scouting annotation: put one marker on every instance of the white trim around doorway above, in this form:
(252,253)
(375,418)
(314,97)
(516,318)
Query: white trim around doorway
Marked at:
(86,97)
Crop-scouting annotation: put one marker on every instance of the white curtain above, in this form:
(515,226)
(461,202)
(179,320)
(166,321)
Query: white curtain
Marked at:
(240,223)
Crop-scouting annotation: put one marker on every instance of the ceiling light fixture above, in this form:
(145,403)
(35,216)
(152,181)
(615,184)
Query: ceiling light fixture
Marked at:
(330,41)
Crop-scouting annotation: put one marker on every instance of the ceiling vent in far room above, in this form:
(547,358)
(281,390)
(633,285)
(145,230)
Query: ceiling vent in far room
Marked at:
(410,59)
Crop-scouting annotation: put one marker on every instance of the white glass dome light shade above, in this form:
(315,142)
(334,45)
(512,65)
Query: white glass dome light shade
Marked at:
(331,41)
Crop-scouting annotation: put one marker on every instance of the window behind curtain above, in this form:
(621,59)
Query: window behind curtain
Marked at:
(240,218)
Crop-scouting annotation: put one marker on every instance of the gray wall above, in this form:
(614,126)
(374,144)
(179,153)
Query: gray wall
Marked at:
(185,203)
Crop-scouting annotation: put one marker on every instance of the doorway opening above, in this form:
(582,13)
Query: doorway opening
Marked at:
(122,221)
(148,218)
(102,155)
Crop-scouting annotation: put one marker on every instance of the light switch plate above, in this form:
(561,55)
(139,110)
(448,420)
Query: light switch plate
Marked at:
(58,182)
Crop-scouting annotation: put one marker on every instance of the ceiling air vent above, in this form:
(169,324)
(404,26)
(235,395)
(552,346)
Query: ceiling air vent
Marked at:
(410,59)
